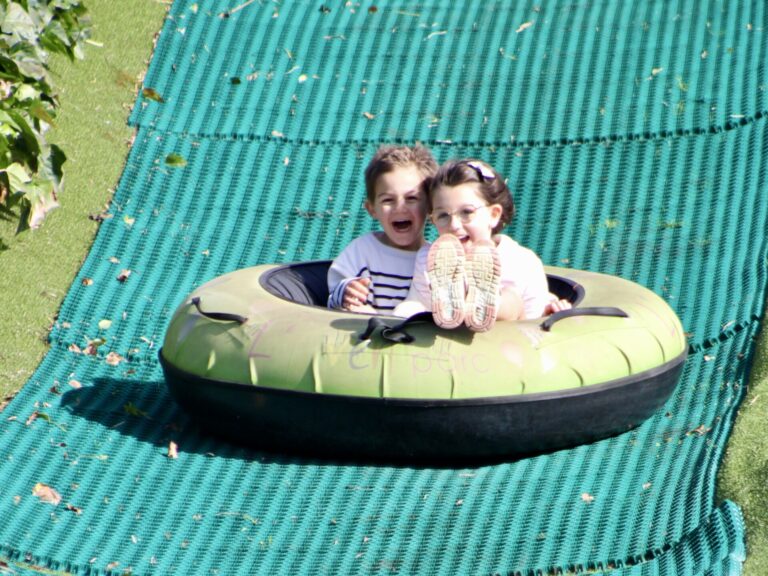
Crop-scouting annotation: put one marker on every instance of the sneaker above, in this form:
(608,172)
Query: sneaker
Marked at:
(445,269)
(483,273)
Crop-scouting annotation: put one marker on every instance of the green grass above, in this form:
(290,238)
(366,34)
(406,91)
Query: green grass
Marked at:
(745,468)
(37,268)
(95,96)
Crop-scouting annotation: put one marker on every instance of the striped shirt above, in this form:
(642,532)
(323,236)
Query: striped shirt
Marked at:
(390,270)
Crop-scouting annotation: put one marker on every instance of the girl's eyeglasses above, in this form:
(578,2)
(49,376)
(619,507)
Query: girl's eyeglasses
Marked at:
(465,214)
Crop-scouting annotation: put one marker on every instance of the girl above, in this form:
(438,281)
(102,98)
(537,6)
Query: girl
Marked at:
(472,274)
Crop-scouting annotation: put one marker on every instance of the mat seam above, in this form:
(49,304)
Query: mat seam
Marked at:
(527,144)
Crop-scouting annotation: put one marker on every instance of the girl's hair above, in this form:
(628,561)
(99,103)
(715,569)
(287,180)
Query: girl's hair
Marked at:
(387,158)
(490,185)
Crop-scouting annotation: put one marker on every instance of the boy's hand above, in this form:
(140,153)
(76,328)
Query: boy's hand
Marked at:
(356,293)
(363,309)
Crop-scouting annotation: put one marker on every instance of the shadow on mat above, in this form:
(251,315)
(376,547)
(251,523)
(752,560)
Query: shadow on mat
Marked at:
(148,413)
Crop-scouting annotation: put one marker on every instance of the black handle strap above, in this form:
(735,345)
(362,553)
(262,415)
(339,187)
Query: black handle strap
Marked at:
(373,323)
(396,333)
(588,311)
(222,316)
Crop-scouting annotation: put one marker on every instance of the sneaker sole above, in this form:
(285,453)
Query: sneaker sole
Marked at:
(483,272)
(445,268)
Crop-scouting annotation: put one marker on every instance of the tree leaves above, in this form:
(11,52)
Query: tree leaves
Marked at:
(30,167)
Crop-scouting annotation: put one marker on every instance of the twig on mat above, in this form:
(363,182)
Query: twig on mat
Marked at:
(229,13)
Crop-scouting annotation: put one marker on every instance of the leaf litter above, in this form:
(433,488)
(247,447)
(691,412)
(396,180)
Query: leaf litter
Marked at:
(46,494)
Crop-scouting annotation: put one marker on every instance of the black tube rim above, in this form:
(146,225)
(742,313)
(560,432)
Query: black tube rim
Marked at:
(570,393)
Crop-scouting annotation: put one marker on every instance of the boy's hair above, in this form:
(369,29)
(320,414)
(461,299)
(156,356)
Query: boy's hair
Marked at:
(387,158)
(491,185)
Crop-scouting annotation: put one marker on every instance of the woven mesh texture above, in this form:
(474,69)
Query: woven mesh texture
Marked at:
(681,208)
(491,72)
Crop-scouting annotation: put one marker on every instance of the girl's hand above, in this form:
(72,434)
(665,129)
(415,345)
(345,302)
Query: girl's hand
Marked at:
(556,306)
(356,294)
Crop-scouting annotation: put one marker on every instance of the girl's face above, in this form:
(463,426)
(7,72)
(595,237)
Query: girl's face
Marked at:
(462,211)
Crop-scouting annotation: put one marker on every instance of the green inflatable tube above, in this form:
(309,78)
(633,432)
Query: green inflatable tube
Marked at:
(256,356)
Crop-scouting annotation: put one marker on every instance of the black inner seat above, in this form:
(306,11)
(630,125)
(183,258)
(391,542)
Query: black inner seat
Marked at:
(306,283)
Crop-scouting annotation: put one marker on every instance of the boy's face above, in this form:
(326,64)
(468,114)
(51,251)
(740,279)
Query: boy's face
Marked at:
(400,207)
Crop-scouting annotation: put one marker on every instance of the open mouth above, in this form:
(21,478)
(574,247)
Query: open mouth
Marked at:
(401,225)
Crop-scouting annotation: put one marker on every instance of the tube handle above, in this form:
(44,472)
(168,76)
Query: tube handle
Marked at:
(396,333)
(221,316)
(587,311)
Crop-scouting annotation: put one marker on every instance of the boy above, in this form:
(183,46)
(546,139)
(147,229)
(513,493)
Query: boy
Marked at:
(373,274)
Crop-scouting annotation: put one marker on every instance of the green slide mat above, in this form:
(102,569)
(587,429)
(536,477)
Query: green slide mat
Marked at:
(555,72)
(610,173)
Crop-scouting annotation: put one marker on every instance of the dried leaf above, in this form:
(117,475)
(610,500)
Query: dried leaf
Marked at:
(100,217)
(152,94)
(132,410)
(523,26)
(369,115)
(46,494)
(74,509)
(75,384)
(175,160)
(93,345)
(75,348)
(32,417)
(436,33)
(699,431)
(113,359)
(87,282)
(173,450)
